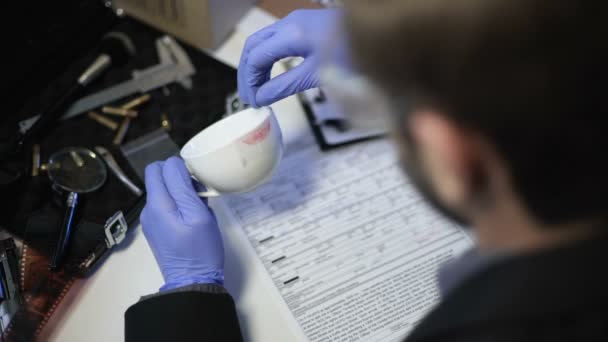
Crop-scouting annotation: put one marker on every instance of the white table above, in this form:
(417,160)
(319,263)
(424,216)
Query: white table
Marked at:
(96,311)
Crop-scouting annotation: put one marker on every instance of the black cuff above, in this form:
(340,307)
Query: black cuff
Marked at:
(206,288)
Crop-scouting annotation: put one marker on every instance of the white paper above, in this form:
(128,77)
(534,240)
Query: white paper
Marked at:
(348,243)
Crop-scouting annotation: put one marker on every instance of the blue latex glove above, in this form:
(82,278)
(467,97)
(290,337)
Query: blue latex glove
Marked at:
(180,228)
(299,34)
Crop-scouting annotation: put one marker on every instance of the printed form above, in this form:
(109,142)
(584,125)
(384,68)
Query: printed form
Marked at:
(349,244)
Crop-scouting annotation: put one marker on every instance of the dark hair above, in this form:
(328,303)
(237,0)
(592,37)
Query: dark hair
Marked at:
(529,75)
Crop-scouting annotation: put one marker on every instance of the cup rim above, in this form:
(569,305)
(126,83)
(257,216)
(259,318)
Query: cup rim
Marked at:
(269,112)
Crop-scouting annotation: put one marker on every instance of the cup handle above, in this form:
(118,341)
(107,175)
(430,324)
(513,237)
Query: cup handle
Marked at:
(209,193)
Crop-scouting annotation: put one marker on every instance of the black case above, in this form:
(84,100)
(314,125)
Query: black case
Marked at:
(54,41)
(53,47)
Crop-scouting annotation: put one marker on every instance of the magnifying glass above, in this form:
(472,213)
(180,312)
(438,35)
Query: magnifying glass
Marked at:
(74,171)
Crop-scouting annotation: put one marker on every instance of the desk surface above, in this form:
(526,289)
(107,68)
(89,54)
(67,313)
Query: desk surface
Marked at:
(96,310)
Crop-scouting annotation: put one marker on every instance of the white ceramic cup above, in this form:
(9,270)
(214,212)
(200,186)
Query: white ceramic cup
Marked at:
(235,154)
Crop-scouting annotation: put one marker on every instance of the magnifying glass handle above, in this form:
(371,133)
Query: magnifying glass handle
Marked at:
(65,229)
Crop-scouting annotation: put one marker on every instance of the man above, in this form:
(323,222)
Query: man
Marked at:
(504,129)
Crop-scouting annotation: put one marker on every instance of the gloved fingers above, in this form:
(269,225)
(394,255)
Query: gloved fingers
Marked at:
(150,230)
(200,187)
(245,92)
(157,195)
(179,184)
(143,218)
(258,65)
(287,42)
(260,36)
(300,78)
(242,85)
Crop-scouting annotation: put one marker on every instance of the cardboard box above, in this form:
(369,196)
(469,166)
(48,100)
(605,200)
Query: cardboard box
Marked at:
(281,8)
(201,23)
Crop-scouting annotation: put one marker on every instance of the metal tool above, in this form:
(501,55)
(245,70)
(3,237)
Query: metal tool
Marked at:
(35,160)
(119,112)
(136,102)
(26,124)
(122,132)
(106,122)
(126,122)
(80,175)
(117,171)
(174,66)
(165,123)
(116,48)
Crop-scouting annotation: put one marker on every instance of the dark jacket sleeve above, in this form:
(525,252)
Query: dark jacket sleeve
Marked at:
(183,316)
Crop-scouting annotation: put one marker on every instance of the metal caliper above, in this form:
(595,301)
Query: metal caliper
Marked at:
(174,66)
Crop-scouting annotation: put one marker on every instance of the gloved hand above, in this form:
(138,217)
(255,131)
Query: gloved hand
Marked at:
(180,228)
(299,34)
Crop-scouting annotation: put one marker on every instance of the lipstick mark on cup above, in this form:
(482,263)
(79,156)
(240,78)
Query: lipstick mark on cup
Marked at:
(257,135)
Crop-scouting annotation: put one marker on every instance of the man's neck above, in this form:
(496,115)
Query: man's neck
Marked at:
(512,231)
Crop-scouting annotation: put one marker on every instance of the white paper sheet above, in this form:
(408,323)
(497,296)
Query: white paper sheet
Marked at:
(348,243)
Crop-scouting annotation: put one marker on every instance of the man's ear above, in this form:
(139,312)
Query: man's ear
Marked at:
(447,153)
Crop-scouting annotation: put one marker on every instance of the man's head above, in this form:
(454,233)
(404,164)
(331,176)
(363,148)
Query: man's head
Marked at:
(495,100)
